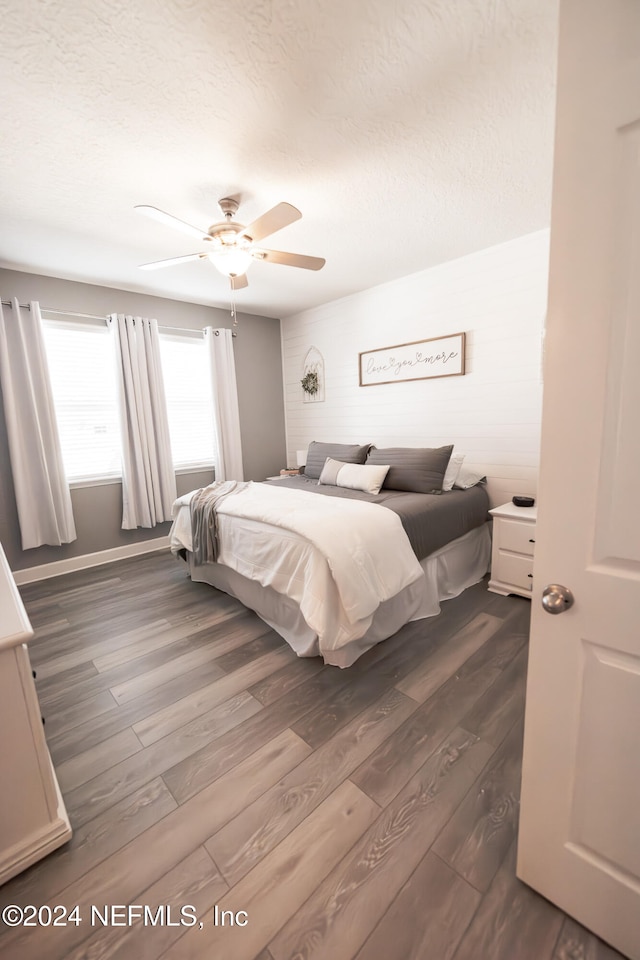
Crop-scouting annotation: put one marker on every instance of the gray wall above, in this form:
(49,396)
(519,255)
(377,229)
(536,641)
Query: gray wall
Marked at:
(98,509)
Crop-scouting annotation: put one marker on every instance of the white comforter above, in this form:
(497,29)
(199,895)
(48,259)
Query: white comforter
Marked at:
(338,559)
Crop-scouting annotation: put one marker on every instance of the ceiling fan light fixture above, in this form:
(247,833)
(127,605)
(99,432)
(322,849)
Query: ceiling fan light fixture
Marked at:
(231,261)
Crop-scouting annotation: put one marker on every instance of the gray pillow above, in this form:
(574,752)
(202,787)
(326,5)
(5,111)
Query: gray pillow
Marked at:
(413,469)
(346,452)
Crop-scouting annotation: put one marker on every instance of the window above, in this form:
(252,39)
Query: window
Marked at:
(189,405)
(84,385)
(84,389)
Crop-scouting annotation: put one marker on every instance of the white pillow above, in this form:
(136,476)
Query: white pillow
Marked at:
(468,478)
(330,471)
(354,476)
(452,471)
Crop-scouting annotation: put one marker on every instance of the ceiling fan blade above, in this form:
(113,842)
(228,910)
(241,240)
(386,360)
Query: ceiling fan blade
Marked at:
(290,259)
(237,283)
(170,221)
(275,219)
(157,264)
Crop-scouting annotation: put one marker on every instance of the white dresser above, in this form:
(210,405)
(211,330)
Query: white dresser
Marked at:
(514,537)
(33,820)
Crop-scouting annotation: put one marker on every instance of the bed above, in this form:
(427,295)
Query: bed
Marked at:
(337,567)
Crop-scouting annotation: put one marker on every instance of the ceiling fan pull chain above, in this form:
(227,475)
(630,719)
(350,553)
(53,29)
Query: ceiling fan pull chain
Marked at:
(234,316)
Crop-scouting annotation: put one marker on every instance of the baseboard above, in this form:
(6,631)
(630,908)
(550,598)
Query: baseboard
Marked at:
(58,567)
(33,847)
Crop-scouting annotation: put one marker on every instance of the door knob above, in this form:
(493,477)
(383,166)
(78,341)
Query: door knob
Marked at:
(556,598)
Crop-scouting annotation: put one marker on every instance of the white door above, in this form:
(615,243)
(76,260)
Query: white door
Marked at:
(579,841)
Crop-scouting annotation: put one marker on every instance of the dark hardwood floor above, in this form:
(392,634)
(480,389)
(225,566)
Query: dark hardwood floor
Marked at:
(367,813)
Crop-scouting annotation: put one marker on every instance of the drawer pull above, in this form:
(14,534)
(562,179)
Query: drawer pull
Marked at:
(531,541)
(530,575)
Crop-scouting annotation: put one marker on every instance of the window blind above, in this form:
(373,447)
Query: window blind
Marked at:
(189,402)
(84,391)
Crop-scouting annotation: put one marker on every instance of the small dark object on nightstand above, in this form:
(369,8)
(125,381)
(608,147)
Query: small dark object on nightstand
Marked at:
(523,501)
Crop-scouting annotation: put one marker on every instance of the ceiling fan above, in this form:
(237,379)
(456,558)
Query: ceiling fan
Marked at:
(232,246)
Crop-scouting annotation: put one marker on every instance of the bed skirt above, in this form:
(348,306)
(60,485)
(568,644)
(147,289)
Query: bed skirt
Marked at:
(447,572)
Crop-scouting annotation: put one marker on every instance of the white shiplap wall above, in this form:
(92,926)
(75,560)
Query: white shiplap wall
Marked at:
(492,414)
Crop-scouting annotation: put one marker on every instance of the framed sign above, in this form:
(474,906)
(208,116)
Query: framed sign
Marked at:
(420,360)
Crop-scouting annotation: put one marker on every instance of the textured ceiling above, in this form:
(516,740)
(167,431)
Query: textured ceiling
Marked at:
(408,132)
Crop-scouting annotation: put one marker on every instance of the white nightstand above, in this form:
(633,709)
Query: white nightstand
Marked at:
(514,537)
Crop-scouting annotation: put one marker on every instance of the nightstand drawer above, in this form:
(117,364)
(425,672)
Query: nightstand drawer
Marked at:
(516,570)
(516,537)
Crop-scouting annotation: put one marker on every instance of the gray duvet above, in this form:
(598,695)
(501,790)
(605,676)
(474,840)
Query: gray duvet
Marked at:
(429,520)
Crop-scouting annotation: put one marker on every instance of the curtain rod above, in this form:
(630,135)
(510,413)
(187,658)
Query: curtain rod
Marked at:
(186,330)
(62,313)
(92,316)
(70,313)
(178,329)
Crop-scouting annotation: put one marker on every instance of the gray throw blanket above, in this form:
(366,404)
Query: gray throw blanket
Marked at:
(204,526)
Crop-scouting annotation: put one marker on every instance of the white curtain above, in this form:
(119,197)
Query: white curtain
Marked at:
(41,488)
(148,476)
(219,345)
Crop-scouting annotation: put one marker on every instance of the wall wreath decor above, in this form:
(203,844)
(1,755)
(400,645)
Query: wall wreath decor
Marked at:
(312,381)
